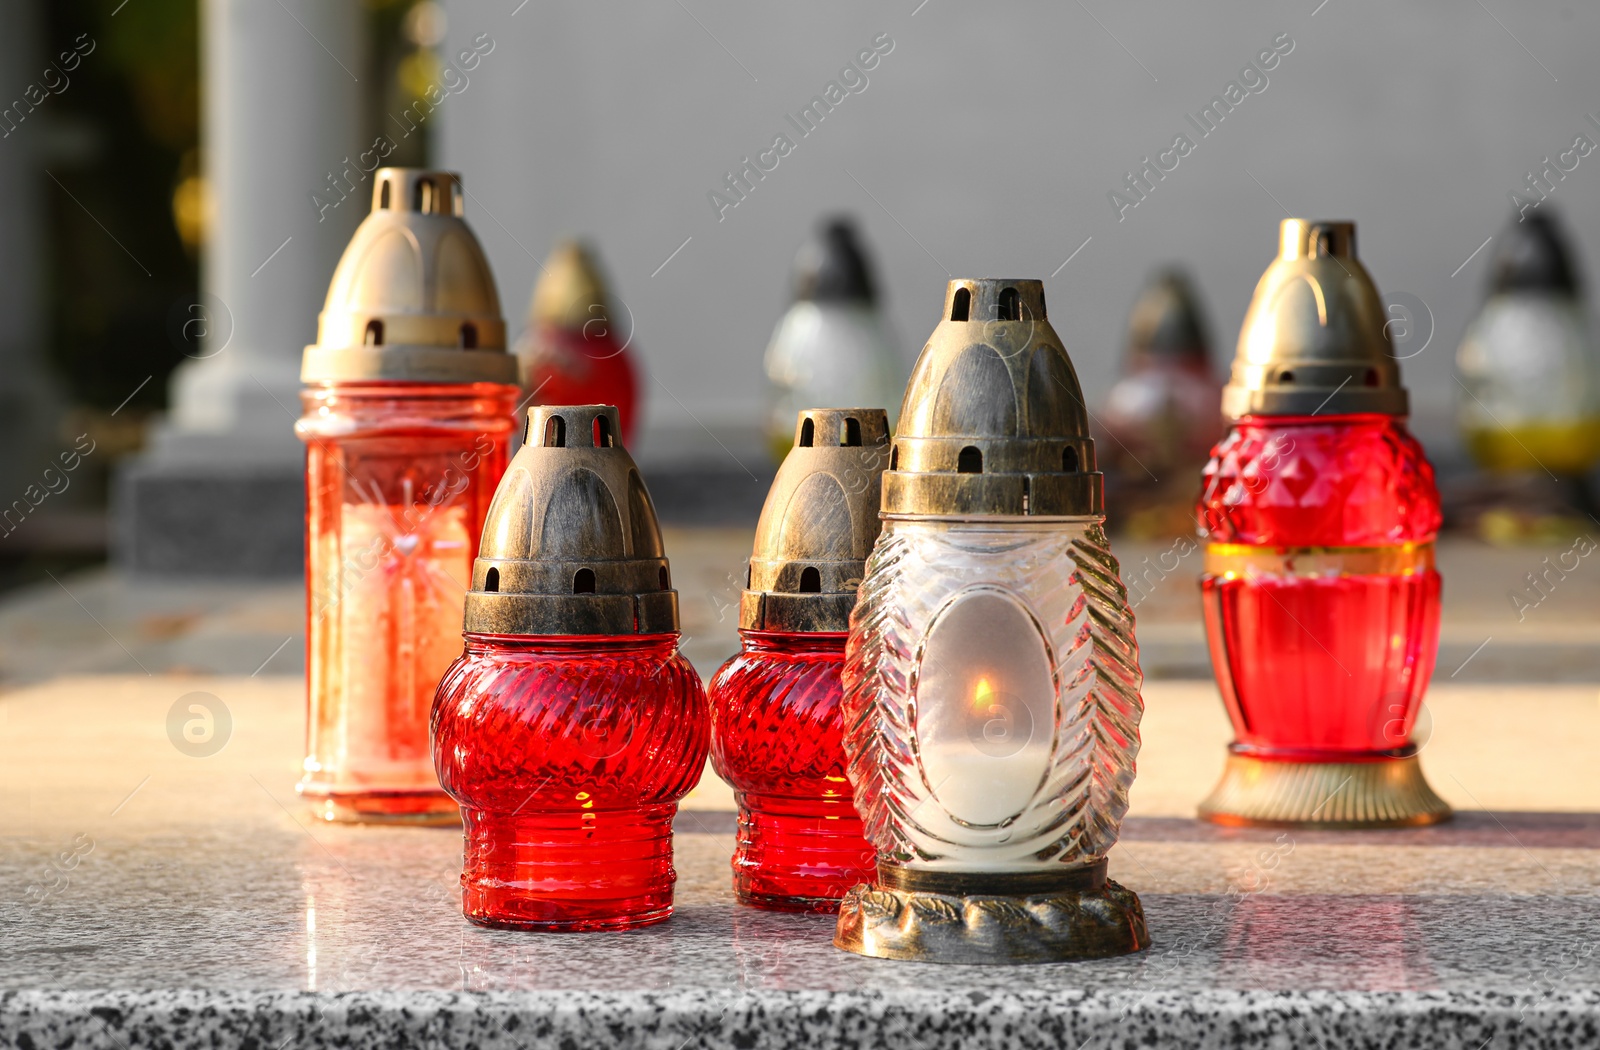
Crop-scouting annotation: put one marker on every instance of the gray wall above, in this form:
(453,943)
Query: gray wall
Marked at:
(990,138)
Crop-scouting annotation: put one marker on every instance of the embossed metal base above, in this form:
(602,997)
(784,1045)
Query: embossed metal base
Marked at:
(1389,793)
(992,919)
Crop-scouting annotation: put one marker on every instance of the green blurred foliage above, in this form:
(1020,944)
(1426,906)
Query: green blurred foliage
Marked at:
(120,136)
(126,136)
(155,46)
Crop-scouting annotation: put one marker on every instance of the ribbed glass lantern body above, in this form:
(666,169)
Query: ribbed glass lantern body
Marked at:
(398,477)
(992,695)
(569,756)
(1321,599)
(777,737)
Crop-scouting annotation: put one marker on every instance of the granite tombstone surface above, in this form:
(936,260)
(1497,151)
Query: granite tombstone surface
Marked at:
(163,886)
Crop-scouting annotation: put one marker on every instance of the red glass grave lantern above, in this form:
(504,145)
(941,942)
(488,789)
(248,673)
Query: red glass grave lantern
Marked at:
(572,352)
(571,726)
(409,405)
(777,727)
(1321,597)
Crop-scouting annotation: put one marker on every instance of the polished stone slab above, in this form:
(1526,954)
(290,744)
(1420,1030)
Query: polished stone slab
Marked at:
(150,897)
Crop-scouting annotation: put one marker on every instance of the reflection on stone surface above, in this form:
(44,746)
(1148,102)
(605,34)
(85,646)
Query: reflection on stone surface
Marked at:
(371,909)
(1364,943)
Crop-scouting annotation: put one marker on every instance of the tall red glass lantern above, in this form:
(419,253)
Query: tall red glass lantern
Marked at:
(570,726)
(777,726)
(1320,513)
(408,405)
(573,352)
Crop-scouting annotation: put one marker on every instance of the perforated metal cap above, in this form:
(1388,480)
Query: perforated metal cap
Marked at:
(571,545)
(819,523)
(413,298)
(832,266)
(1532,256)
(1166,322)
(1314,339)
(993,422)
(570,291)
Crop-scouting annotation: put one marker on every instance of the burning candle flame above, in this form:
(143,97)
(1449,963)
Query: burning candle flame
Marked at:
(981,694)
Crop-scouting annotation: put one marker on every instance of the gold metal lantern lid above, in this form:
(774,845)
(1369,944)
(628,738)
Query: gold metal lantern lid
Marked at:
(1166,322)
(1533,256)
(571,291)
(1314,339)
(993,423)
(570,544)
(819,523)
(412,298)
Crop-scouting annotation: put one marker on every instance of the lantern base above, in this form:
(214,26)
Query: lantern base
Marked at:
(429,808)
(991,919)
(1387,792)
(798,854)
(563,871)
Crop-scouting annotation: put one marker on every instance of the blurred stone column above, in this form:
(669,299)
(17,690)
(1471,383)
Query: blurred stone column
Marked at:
(219,490)
(29,406)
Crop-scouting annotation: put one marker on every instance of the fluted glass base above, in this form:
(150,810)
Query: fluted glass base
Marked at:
(1388,792)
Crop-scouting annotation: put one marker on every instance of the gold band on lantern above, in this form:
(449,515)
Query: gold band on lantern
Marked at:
(1236,560)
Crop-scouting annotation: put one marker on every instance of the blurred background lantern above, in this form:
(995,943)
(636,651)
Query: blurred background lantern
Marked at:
(992,678)
(1529,387)
(1161,417)
(572,352)
(1320,512)
(832,346)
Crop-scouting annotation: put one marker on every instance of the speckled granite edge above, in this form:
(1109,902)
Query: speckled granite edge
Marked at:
(758,1020)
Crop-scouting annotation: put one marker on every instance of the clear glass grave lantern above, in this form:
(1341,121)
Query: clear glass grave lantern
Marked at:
(833,345)
(992,679)
(1530,372)
(777,724)
(571,725)
(1320,594)
(408,407)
